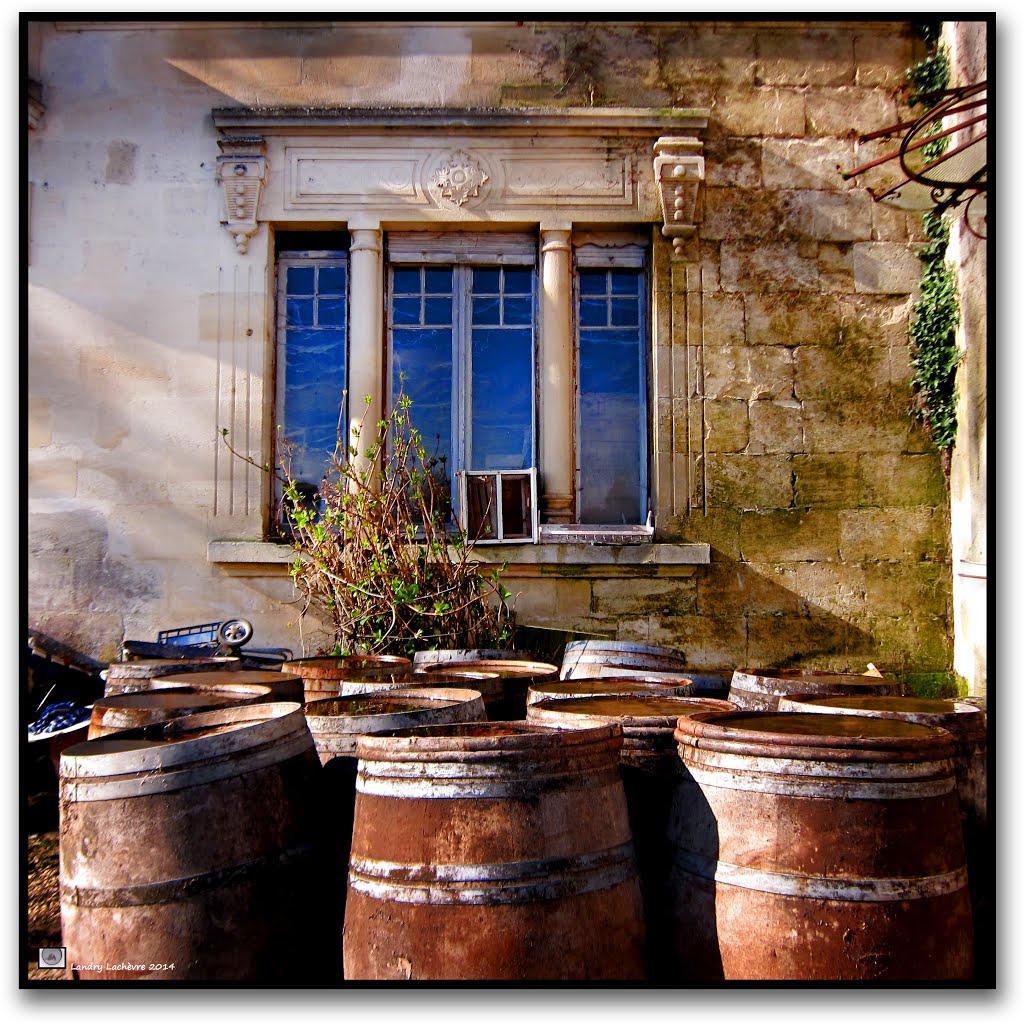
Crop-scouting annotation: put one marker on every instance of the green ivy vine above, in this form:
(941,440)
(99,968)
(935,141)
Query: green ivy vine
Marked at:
(937,312)
(924,79)
(933,333)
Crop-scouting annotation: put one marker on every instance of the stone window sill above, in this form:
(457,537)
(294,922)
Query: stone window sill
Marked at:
(262,558)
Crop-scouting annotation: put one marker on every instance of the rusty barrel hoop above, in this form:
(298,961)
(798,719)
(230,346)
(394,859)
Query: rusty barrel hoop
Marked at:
(135,676)
(507,856)
(137,710)
(583,659)
(611,686)
(188,844)
(870,882)
(965,721)
(284,686)
(761,689)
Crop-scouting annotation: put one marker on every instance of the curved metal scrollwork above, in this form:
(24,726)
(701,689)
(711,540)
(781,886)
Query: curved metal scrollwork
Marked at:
(951,137)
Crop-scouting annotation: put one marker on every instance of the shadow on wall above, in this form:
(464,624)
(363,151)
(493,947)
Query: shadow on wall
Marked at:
(821,615)
(839,617)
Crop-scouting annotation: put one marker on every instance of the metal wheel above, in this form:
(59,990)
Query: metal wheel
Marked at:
(235,632)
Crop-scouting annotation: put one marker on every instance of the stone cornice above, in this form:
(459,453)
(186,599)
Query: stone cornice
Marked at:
(428,165)
(615,121)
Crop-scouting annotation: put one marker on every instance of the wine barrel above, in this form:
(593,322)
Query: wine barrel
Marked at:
(322,677)
(186,851)
(284,686)
(966,722)
(651,771)
(515,678)
(583,659)
(425,659)
(137,710)
(760,689)
(488,683)
(610,686)
(818,848)
(336,723)
(506,856)
(135,676)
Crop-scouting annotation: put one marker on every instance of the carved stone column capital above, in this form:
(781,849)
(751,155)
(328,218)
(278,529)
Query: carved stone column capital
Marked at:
(242,172)
(679,172)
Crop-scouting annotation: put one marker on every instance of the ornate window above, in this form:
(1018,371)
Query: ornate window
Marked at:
(482,263)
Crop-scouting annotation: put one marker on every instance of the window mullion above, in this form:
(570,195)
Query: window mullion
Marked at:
(462,328)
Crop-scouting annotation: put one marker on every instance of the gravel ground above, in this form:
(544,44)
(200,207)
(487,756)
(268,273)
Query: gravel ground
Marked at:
(43,903)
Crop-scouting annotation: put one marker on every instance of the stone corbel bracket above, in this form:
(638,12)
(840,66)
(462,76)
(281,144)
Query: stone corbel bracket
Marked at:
(679,173)
(242,172)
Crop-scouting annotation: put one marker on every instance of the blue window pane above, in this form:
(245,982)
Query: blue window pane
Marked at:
(300,312)
(437,309)
(301,280)
(518,309)
(438,280)
(425,359)
(502,406)
(406,281)
(625,312)
(486,280)
(405,309)
(314,382)
(625,282)
(608,367)
(331,313)
(593,312)
(299,340)
(486,311)
(331,281)
(593,282)
(612,404)
(518,280)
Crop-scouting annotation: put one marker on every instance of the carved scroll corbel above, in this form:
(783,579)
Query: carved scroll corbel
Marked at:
(242,171)
(679,172)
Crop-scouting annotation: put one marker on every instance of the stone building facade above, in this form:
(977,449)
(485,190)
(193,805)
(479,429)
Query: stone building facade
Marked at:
(798,516)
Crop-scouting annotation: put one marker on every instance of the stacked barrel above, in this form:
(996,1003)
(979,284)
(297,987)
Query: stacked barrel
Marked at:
(492,816)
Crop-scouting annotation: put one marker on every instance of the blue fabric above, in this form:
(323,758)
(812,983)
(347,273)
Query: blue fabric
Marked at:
(59,716)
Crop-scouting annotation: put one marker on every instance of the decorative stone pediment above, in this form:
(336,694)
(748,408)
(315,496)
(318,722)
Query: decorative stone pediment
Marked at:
(421,167)
(241,171)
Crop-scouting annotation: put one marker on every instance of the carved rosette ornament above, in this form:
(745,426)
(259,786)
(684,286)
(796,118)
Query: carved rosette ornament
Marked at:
(679,173)
(241,171)
(459,178)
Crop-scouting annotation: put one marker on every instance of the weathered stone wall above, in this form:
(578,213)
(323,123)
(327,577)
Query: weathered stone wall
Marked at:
(824,505)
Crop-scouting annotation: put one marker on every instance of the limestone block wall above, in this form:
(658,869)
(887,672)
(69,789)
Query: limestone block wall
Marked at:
(781,436)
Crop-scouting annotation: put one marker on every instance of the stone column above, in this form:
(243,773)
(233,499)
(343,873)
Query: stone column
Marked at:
(557,400)
(365,373)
